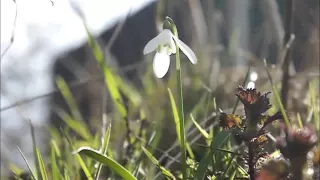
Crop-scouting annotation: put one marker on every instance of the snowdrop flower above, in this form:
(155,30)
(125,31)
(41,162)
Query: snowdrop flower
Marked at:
(164,44)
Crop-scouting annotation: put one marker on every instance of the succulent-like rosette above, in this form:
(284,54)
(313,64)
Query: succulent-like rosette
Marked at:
(297,142)
(255,103)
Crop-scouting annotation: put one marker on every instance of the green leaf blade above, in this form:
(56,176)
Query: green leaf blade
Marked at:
(163,170)
(113,165)
(41,165)
(175,115)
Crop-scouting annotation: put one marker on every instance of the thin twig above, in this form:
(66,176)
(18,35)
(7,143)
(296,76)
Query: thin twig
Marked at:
(71,86)
(285,50)
(13,30)
(287,60)
(217,149)
(25,101)
(117,31)
(272,14)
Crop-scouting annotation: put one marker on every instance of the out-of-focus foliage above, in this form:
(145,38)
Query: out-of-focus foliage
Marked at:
(133,136)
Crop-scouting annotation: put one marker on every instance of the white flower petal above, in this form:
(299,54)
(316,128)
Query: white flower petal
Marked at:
(163,38)
(186,50)
(161,64)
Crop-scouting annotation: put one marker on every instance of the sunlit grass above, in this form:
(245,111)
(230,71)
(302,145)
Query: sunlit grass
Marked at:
(130,150)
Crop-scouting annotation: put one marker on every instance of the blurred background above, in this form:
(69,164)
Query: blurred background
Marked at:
(42,40)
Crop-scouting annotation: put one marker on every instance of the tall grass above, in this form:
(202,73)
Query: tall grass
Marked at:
(209,153)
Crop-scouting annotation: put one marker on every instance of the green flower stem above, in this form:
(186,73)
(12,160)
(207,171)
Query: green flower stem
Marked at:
(180,102)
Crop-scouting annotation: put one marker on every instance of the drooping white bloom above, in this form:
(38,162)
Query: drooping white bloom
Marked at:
(164,44)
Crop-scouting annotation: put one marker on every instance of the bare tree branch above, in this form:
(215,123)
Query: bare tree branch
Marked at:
(271,12)
(287,60)
(12,32)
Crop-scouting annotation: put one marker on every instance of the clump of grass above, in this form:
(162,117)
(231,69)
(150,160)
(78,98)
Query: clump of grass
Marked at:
(233,150)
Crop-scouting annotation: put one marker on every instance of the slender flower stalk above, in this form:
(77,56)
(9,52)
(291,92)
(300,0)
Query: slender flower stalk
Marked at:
(165,44)
(180,102)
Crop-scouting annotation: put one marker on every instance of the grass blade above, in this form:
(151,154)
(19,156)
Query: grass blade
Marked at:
(42,168)
(202,131)
(113,165)
(66,176)
(34,144)
(229,165)
(67,95)
(55,148)
(110,79)
(164,171)
(79,158)
(175,116)
(314,104)
(216,143)
(77,126)
(277,97)
(54,167)
(189,150)
(233,175)
(29,167)
(299,120)
(103,150)
(129,91)
(136,171)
